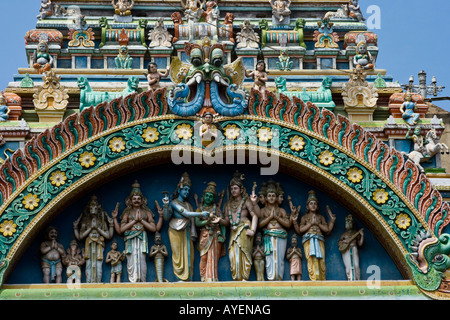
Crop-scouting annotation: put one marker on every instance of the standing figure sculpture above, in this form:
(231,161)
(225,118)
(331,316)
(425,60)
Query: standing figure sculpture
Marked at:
(93,227)
(275,222)
(294,256)
(348,245)
(314,227)
(239,209)
(407,109)
(52,255)
(259,76)
(115,257)
(182,230)
(154,76)
(42,59)
(73,261)
(158,252)
(135,220)
(258,257)
(212,234)
(280,9)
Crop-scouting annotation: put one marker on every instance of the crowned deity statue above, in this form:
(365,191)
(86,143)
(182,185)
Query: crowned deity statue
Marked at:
(314,227)
(348,245)
(182,232)
(275,222)
(407,109)
(242,211)
(212,233)
(93,226)
(280,10)
(42,59)
(136,219)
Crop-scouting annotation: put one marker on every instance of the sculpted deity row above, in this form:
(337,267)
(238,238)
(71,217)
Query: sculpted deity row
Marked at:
(258,236)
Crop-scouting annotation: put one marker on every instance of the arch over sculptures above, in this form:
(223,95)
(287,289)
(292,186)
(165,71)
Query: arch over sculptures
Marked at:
(380,185)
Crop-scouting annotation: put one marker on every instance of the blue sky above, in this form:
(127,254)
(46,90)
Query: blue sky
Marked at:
(413,37)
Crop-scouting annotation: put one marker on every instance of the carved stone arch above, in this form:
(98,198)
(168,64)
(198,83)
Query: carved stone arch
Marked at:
(376,193)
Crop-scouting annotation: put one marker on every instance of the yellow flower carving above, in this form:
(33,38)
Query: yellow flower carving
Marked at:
(8,228)
(87,159)
(117,144)
(326,158)
(264,134)
(58,178)
(380,196)
(297,143)
(150,135)
(30,201)
(403,221)
(354,175)
(231,131)
(184,131)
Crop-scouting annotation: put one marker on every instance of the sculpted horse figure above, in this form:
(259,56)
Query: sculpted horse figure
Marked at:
(426,147)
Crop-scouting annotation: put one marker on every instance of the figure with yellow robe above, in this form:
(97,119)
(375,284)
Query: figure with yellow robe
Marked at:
(180,214)
(243,212)
(314,227)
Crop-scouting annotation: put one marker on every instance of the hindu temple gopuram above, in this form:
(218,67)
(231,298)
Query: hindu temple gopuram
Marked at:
(217,149)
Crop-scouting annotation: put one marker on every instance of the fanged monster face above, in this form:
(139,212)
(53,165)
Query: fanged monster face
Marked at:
(207,64)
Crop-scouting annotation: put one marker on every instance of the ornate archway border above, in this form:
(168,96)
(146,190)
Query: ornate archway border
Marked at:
(389,186)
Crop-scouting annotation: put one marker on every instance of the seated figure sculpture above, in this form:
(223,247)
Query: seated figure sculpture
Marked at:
(123,59)
(363,58)
(280,9)
(42,59)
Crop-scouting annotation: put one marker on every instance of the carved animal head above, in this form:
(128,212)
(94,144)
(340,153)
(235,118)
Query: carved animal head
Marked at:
(327,82)
(280,83)
(133,83)
(176,18)
(83,84)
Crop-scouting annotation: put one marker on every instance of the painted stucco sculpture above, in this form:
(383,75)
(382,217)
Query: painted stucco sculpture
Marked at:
(212,78)
(322,97)
(89,97)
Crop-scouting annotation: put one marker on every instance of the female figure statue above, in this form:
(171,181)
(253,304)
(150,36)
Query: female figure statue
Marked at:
(275,221)
(212,234)
(239,209)
(407,109)
(182,231)
(95,227)
(135,220)
(313,227)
